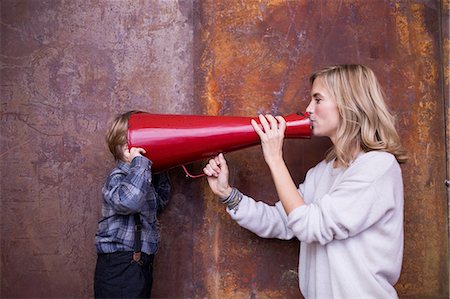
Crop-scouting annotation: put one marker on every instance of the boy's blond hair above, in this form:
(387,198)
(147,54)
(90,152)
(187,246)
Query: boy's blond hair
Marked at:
(117,134)
(365,122)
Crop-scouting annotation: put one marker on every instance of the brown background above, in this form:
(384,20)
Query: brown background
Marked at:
(68,67)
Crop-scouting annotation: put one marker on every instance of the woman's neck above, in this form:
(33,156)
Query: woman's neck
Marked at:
(337,163)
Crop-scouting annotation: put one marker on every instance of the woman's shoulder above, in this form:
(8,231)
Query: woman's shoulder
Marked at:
(319,166)
(317,171)
(374,164)
(375,158)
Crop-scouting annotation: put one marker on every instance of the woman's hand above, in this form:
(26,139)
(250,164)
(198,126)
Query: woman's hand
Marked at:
(272,137)
(217,172)
(272,144)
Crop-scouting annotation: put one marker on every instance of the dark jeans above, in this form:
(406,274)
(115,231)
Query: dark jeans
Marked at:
(118,276)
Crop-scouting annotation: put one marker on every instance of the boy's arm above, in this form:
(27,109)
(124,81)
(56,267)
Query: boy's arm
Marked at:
(162,187)
(127,195)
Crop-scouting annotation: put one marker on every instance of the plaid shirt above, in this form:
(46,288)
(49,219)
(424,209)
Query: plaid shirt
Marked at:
(131,188)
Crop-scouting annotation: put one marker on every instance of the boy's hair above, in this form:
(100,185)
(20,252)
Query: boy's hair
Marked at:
(365,122)
(117,134)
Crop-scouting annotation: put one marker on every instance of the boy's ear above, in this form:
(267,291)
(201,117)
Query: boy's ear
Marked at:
(125,153)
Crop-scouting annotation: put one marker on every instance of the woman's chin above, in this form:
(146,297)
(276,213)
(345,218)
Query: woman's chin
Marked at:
(316,132)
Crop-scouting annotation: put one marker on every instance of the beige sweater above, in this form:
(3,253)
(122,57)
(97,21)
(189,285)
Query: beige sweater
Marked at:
(351,227)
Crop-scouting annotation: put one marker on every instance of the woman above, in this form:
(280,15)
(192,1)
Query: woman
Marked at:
(348,213)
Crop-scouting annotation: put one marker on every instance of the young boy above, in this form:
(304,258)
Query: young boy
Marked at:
(128,234)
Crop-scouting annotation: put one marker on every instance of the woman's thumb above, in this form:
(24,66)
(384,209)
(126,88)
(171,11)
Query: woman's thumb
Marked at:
(222,159)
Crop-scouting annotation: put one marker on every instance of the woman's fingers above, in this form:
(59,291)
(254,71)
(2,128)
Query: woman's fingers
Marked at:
(215,166)
(257,128)
(207,170)
(281,123)
(217,160)
(222,162)
(211,169)
(273,123)
(271,135)
(273,127)
(270,124)
(264,123)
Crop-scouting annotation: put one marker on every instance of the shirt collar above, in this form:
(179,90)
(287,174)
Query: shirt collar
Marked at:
(125,167)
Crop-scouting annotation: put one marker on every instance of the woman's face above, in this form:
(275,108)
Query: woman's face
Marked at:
(323,110)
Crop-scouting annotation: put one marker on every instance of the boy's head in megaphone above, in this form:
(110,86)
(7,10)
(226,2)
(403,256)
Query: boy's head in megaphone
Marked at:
(132,195)
(117,138)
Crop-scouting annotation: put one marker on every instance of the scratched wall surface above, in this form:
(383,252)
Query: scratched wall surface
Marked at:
(68,67)
(257,55)
(446,84)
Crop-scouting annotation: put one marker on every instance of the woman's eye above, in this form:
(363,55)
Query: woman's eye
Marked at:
(317,101)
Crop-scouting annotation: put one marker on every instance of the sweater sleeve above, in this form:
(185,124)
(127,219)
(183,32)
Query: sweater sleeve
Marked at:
(362,198)
(262,219)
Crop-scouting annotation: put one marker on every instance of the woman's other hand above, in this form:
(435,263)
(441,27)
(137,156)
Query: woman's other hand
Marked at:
(217,175)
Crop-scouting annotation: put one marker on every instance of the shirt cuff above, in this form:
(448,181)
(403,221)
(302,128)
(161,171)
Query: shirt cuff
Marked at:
(233,200)
(141,162)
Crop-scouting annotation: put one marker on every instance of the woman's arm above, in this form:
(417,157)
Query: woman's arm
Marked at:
(260,218)
(272,137)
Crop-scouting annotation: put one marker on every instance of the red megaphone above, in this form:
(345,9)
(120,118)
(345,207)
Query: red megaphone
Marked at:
(174,140)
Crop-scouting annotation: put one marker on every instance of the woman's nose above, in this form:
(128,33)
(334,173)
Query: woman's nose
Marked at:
(310,108)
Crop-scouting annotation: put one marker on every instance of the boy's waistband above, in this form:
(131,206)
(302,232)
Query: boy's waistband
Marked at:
(125,256)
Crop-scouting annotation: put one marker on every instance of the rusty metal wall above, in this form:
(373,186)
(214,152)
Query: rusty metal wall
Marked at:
(445,37)
(257,56)
(68,67)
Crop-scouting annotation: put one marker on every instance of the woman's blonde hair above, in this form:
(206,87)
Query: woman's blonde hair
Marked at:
(117,134)
(365,122)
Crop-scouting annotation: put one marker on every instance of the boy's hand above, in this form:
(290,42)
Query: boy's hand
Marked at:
(136,151)
(128,155)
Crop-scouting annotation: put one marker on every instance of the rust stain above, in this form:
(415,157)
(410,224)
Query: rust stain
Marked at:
(69,67)
(251,61)
(446,74)
(257,58)
(424,144)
